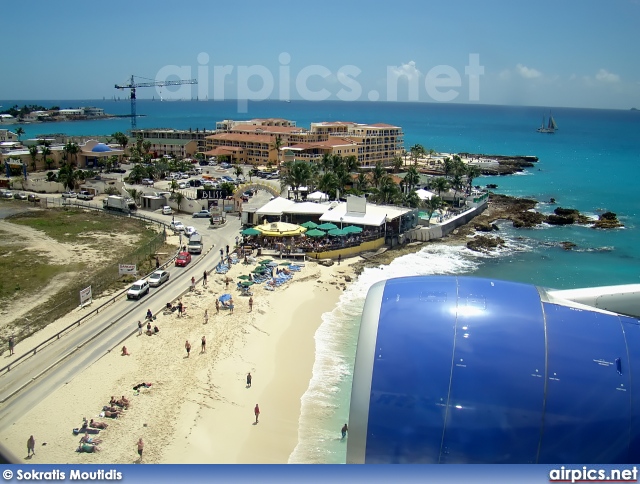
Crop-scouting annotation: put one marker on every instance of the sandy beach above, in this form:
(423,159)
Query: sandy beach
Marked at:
(198,409)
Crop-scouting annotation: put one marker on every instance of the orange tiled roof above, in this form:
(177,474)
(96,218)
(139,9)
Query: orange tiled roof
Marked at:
(259,138)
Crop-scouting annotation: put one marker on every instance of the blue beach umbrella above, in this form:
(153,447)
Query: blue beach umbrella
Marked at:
(224,297)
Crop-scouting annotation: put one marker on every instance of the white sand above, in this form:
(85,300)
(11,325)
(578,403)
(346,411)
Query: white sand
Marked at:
(198,408)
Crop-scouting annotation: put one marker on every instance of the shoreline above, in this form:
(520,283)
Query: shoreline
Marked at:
(198,409)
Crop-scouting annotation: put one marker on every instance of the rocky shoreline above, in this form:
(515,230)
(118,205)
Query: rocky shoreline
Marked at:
(507,165)
(520,211)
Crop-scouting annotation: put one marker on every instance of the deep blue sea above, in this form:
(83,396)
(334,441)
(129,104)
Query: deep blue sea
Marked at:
(592,164)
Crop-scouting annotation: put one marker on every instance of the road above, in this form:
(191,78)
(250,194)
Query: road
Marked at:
(57,363)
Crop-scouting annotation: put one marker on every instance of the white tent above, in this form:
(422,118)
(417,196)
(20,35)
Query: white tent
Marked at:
(318,197)
(424,194)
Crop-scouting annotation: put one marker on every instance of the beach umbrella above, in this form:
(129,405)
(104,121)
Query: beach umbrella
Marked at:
(224,297)
(315,233)
(247,283)
(352,229)
(266,261)
(251,231)
(327,226)
(259,270)
(285,264)
(244,278)
(337,232)
(309,225)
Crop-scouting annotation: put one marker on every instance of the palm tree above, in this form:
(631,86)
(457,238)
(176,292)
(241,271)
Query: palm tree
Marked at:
(277,144)
(440,184)
(121,138)
(387,190)
(378,173)
(456,184)
(412,178)
(328,183)
(447,166)
(472,172)
(177,197)
(351,164)
(417,151)
(71,149)
(68,176)
(431,205)
(411,199)
(48,162)
(19,132)
(174,186)
(33,152)
(239,171)
(326,163)
(45,151)
(397,164)
(362,182)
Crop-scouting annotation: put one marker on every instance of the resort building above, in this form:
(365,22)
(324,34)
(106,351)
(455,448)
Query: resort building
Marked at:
(7,119)
(255,141)
(178,148)
(6,135)
(160,134)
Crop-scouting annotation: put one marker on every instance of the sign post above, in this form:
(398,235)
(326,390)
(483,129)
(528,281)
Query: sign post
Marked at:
(85,296)
(127,269)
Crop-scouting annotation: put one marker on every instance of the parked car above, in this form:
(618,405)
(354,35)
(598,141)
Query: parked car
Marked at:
(225,165)
(183,259)
(158,277)
(182,185)
(167,210)
(248,193)
(138,289)
(85,195)
(177,226)
(195,182)
(33,197)
(185,176)
(147,181)
(69,195)
(7,194)
(202,214)
(189,231)
(20,196)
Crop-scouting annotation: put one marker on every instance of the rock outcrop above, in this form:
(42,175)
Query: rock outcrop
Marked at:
(482,243)
(608,220)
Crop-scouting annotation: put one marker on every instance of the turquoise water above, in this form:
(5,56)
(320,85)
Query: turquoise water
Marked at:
(591,164)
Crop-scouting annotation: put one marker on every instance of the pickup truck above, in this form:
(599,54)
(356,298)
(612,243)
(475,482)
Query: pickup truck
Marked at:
(85,195)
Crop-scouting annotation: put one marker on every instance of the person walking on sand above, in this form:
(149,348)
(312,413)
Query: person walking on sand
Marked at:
(140,449)
(231,306)
(250,303)
(204,344)
(217,306)
(227,250)
(187,346)
(12,344)
(206,316)
(249,380)
(139,328)
(204,279)
(180,308)
(344,430)
(31,446)
(339,258)
(256,411)
(193,284)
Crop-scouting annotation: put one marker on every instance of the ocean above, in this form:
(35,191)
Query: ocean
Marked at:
(591,164)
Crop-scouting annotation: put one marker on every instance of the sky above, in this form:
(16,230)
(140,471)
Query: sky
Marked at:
(570,53)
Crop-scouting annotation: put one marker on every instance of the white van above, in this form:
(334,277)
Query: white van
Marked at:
(138,289)
(195,244)
(166,210)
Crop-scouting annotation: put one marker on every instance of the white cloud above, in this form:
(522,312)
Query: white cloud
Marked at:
(407,70)
(605,76)
(528,72)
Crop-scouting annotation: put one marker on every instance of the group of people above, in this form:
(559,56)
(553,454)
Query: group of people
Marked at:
(149,331)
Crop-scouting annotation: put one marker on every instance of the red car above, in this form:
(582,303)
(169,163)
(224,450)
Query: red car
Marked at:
(183,259)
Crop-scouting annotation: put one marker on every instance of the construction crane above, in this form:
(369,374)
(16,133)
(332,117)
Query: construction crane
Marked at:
(134,85)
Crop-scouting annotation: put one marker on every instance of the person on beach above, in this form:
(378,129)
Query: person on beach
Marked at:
(344,430)
(149,314)
(193,284)
(157,263)
(256,411)
(221,255)
(149,327)
(250,303)
(206,316)
(227,250)
(217,306)
(231,306)
(12,344)
(98,425)
(139,328)
(249,380)
(140,448)
(180,308)
(187,346)
(31,446)
(156,329)
(204,279)
(339,258)
(125,351)
(204,344)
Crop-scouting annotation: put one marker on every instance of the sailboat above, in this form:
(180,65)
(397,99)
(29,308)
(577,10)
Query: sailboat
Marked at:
(550,128)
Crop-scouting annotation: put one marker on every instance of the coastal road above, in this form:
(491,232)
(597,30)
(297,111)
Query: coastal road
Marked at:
(56,364)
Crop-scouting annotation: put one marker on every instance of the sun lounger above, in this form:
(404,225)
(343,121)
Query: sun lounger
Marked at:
(86,430)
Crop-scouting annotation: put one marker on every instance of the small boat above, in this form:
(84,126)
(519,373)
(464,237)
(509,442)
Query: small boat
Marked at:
(551,126)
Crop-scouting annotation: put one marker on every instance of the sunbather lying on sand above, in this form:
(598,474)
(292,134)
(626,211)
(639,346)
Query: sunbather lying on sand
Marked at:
(87,439)
(142,385)
(97,425)
(88,448)
(110,414)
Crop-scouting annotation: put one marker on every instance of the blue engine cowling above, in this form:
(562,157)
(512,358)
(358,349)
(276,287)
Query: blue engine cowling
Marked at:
(467,370)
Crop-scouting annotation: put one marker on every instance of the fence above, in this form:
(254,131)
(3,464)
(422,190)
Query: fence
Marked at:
(67,299)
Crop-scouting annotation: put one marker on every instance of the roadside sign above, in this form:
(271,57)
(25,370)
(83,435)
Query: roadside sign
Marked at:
(127,269)
(210,194)
(85,296)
